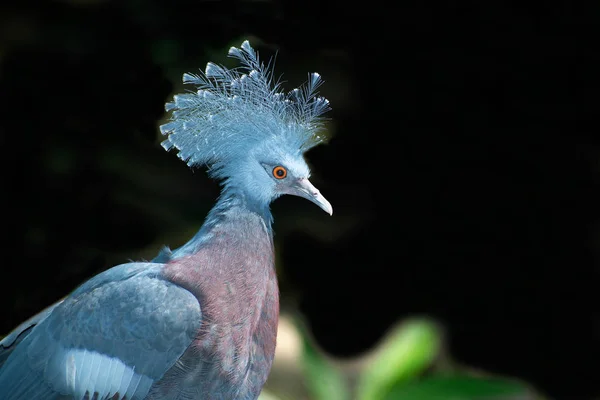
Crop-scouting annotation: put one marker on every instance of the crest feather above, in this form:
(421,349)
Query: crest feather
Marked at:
(233,110)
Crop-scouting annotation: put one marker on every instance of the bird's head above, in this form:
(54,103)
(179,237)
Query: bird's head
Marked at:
(271,170)
(251,135)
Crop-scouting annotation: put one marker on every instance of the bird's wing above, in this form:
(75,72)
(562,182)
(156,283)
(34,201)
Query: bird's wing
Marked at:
(10,342)
(117,333)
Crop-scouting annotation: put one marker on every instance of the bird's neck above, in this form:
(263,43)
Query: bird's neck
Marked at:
(233,210)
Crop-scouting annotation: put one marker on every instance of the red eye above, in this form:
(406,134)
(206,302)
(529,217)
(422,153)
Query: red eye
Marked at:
(279,172)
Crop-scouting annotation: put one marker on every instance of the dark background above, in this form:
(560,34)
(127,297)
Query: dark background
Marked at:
(462,166)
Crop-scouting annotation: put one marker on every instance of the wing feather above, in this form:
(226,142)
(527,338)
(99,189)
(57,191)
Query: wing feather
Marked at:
(10,342)
(133,385)
(114,334)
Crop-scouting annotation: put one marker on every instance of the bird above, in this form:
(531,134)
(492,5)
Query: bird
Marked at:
(199,321)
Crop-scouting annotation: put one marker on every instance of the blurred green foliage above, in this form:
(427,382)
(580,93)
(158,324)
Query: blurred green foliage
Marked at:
(408,365)
(459,388)
(403,356)
(323,380)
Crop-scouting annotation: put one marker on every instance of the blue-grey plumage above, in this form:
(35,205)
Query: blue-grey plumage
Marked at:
(199,322)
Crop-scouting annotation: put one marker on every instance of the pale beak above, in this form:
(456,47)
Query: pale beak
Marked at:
(306,189)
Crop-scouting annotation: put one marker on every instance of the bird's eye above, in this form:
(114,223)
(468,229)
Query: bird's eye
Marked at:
(279,172)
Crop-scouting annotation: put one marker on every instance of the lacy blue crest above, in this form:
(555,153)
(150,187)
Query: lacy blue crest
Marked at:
(234,110)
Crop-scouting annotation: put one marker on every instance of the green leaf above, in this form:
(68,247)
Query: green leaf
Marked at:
(265,395)
(323,380)
(460,388)
(404,355)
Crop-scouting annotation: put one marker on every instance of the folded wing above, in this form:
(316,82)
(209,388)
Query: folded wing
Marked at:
(112,338)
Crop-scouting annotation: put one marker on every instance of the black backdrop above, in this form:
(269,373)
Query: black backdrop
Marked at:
(463,165)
